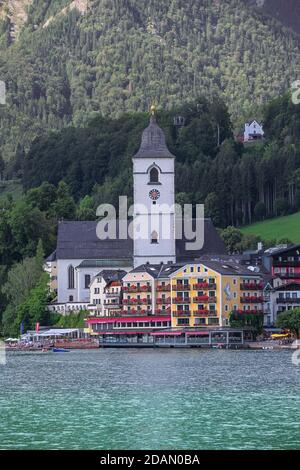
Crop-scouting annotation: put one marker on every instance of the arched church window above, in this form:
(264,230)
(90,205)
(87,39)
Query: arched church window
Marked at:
(154,175)
(154,237)
(87,281)
(71,277)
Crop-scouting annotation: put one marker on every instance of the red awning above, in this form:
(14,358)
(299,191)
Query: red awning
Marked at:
(137,318)
(166,333)
(197,333)
(124,333)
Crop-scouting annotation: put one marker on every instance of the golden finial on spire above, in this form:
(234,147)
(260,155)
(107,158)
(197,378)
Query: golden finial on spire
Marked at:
(153,110)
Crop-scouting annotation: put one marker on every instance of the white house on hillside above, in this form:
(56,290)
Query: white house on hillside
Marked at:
(253,131)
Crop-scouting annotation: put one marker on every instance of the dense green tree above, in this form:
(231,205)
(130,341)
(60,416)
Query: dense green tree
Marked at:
(34,309)
(73,320)
(290,320)
(260,211)
(212,208)
(21,279)
(244,319)
(232,238)
(2,166)
(86,209)
(248,242)
(64,206)
(42,197)
(27,226)
(284,241)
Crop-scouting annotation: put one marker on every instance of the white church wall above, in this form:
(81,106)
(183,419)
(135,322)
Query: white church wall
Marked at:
(80,293)
(63,291)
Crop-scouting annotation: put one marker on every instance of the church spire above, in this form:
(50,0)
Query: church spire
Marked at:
(153,140)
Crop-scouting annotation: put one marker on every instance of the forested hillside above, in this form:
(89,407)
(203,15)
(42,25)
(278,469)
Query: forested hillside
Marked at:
(114,56)
(237,184)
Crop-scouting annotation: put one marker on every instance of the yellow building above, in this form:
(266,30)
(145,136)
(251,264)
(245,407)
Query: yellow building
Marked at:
(206,293)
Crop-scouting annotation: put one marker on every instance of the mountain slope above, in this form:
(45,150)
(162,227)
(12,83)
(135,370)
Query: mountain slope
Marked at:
(119,55)
(278,228)
(285,11)
(15,11)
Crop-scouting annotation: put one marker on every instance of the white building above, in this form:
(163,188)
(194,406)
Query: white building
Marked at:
(283,298)
(253,131)
(104,295)
(80,255)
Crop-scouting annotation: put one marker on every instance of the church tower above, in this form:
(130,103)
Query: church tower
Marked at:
(154,198)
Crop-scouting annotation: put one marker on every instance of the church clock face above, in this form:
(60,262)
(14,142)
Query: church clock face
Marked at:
(154,194)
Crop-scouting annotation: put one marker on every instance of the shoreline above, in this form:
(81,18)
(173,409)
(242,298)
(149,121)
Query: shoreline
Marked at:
(255,346)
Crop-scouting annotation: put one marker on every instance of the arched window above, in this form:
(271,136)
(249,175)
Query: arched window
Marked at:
(87,281)
(71,277)
(154,175)
(154,237)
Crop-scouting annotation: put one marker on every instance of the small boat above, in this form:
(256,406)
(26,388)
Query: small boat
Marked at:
(218,346)
(60,350)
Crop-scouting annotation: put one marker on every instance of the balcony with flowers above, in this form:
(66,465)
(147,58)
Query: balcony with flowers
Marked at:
(252,300)
(205,313)
(132,311)
(182,313)
(205,285)
(205,298)
(251,286)
(181,300)
(163,301)
(160,311)
(181,287)
(163,288)
(136,288)
(134,301)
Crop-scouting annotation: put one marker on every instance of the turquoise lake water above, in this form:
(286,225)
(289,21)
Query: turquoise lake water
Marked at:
(150,399)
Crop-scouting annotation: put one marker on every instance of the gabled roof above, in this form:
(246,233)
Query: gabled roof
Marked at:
(213,244)
(78,240)
(251,121)
(51,257)
(282,249)
(226,265)
(110,275)
(105,263)
(157,271)
(230,268)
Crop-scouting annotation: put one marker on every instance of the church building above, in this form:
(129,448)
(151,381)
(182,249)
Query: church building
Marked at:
(80,255)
